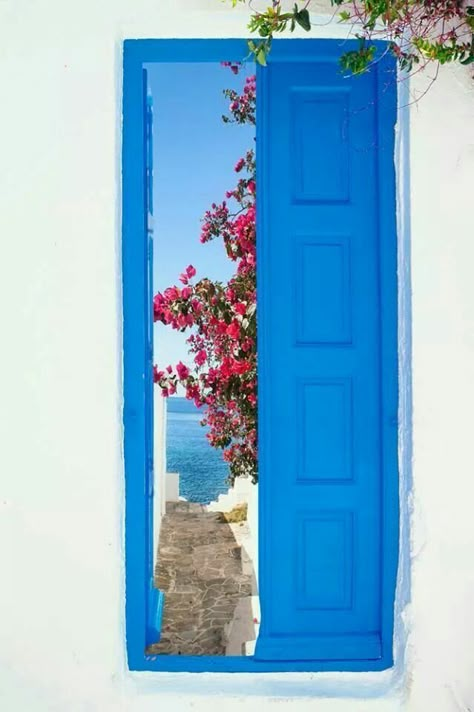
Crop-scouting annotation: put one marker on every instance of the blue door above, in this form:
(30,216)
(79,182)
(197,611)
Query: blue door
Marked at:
(327,343)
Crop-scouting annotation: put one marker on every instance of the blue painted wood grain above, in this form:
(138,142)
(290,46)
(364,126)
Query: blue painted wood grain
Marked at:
(327,359)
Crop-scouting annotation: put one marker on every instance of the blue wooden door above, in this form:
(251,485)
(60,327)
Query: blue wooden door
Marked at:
(327,347)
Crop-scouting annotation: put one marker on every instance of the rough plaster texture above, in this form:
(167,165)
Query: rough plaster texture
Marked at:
(61,466)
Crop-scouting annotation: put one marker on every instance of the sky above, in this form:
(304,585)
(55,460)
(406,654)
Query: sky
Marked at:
(194,154)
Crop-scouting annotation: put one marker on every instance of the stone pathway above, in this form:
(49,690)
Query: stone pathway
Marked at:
(200,571)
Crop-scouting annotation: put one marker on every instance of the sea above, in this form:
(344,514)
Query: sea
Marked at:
(202,470)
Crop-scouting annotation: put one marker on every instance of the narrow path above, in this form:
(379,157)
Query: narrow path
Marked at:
(200,571)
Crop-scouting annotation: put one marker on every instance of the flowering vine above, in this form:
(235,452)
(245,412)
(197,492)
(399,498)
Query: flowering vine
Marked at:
(221,317)
(417,31)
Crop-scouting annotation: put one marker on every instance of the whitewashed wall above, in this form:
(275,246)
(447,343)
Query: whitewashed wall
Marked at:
(61,466)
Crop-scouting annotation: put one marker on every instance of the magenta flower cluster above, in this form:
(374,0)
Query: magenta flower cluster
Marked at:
(221,317)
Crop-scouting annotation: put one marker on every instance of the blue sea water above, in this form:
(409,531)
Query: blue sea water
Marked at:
(202,470)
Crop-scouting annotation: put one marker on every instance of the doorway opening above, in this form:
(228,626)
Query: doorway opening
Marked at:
(201,138)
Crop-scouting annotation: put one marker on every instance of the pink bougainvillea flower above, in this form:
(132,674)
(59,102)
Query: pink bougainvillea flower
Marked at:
(167,316)
(192,391)
(200,357)
(182,371)
(157,375)
(190,271)
(197,307)
(240,308)
(172,293)
(221,328)
(233,66)
(241,367)
(233,330)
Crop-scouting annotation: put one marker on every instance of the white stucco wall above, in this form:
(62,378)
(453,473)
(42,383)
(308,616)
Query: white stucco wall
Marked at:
(61,467)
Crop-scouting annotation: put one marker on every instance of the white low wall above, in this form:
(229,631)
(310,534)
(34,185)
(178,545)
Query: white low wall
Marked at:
(159,444)
(172,487)
(252,520)
(239,493)
(243,491)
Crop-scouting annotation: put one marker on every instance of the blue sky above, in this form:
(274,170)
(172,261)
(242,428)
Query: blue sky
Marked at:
(194,156)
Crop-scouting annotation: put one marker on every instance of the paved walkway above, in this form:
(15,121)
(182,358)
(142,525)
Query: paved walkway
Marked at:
(200,571)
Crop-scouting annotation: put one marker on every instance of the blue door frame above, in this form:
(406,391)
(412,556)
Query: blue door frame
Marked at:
(141,598)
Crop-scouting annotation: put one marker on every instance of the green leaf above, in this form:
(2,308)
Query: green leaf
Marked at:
(261,57)
(468,60)
(302,18)
(344,16)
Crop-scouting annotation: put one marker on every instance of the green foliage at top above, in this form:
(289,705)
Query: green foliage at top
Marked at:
(417,32)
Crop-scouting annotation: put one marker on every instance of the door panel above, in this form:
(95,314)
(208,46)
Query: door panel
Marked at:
(326,310)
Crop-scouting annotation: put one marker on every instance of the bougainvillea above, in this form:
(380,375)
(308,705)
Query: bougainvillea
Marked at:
(417,31)
(221,317)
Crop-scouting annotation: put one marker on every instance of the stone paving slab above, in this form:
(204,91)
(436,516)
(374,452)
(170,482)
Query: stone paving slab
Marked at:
(200,572)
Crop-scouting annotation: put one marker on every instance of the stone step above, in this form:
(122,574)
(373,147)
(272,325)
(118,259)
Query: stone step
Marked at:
(184,507)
